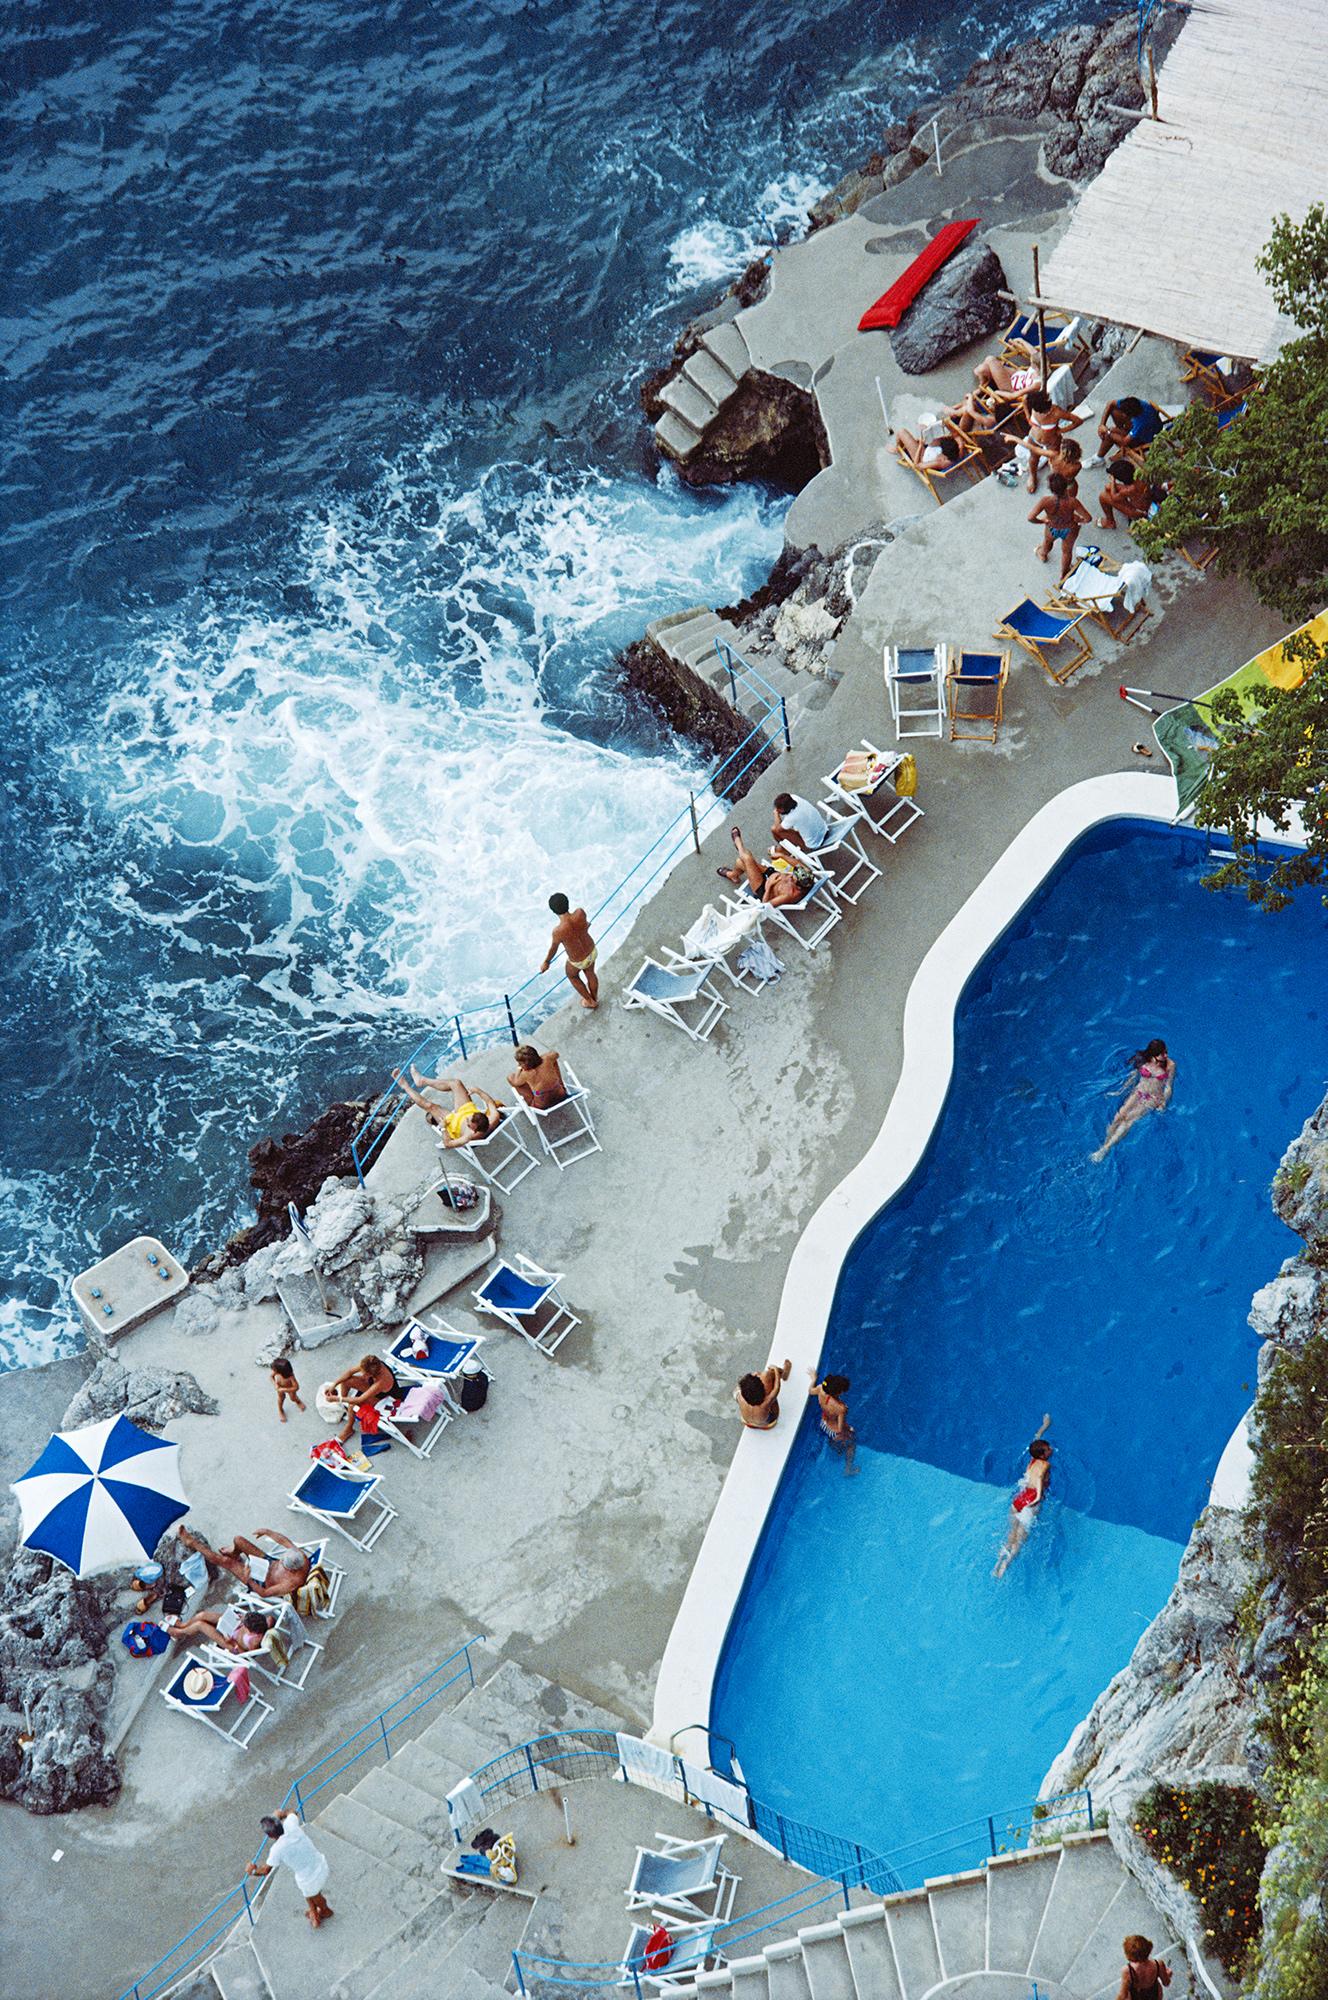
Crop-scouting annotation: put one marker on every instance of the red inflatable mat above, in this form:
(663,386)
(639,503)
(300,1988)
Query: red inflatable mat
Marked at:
(892,305)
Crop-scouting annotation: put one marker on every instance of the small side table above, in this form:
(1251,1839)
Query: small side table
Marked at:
(126,1288)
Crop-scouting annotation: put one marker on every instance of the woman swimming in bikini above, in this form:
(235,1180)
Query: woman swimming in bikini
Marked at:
(1149,1090)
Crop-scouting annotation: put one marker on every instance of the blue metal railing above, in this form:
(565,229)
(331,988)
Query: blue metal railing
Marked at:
(243,1899)
(447,1047)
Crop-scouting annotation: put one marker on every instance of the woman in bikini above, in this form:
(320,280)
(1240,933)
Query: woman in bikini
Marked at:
(466,1121)
(757,1397)
(830,1391)
(537,1079)
(1149,1090)
(1144,1976)
(1047,425)
(1062,516)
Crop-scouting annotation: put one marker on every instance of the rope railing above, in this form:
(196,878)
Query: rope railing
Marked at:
(188,1952)
(457,1039)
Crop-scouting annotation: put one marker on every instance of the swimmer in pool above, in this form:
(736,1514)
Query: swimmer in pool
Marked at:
(1149,1090)
(1027,1502)
(830,1391)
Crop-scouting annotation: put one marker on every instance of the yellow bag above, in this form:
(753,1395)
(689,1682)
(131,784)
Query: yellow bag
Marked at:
(905,780)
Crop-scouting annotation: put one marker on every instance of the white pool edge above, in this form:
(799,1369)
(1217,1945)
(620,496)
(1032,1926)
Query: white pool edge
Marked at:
(691,1656)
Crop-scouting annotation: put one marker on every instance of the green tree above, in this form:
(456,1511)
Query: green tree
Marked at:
(1258,490)
(1271,762)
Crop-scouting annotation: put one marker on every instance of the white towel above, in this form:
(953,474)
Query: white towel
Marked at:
(1061,387)
(646,1760)
(1136,580)
(465,1805)
(712,1790)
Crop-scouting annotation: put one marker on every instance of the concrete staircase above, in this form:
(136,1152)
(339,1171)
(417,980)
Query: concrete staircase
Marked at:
(1056,1915)
(402,1932)
(689,637)
(694,397)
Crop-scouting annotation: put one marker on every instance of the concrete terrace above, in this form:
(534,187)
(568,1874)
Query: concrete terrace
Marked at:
(564,1519)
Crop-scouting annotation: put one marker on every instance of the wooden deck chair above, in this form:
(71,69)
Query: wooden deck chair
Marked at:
(1200,366)
(1065,341)
(935,478)
(1104,607)
(1042,632)
(975,685)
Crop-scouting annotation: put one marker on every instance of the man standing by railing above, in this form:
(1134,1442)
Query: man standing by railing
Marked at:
(292,1848)
(571,935)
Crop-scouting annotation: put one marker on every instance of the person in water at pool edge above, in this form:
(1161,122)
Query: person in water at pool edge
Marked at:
(1027,1502)
(1149,1090)
(829,1392)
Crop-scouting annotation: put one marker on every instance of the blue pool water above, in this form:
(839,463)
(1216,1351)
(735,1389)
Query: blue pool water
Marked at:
(1010,1278)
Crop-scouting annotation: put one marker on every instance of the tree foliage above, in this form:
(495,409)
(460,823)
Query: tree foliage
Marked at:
(1258,489)
(1271,762)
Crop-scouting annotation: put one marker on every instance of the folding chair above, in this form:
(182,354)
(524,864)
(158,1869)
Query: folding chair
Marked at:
(694,1948)
(246,1718)
(527,1299)
(678,1872)
(319,1558)
(566,1130)
(1094,589)
(1065,341)
(303,1652)
(841,856)
(968,460)
(810,920)
(1200,366)
(509,1157)
(913,677)
(446,1354)
(881,807)
(976,686)
(666,991)
(714,936)
(1038,629)
(335,1500)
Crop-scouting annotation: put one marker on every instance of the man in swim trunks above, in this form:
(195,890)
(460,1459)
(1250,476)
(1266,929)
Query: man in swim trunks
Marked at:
(278,1572)
(757,1397)
(1027,1502)
(571,936)
(1062,514)
(468,1119)
(830,1391)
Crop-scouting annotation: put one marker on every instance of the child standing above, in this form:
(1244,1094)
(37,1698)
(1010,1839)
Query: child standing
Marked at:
(1062,515)
(286,1386)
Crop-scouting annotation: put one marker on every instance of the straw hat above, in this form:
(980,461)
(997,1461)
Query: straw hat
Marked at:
(198,1683)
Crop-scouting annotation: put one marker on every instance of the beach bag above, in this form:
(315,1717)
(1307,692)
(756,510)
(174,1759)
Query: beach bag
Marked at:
(329,1407)
(906,778)
(143,1640)
(474,1391)
(658,1950)
(458,1195)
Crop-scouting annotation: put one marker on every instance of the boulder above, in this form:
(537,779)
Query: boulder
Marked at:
(197,1312)
(1287,1311)
(53,1757)
(55,1686)
(359,1243)
(150,1396)
(960,304)
(1300,1185)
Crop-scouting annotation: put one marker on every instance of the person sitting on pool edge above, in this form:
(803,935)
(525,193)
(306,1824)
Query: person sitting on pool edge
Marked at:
(757,1397)
(830,1392)
(1149,1090)
(1027,1502)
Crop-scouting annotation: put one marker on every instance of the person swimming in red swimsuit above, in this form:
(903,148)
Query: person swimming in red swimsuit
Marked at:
(1027,1502)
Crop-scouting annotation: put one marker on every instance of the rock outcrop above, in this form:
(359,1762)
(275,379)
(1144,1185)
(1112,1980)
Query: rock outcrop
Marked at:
(55,1687)
(769,429)
(150,1396)
(961,303)
(686,705)
(359,1244)
(292,1168)
(797,617)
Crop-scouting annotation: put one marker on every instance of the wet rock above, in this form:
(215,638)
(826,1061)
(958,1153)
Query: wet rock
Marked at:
(292,1168)
(686,704)
(797,618)
(1288,1310)
(961,303)
(1300,1185)
(769,429)
(150,1396)
(53,1756)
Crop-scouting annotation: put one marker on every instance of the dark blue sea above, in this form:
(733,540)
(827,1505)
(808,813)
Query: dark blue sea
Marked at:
(326,503)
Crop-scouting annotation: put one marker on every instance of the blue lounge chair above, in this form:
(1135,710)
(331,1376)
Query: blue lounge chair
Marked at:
(667,993)
(1038,631)
(246,1718)
(913,676)
(527,1299)
(678,1872)
(448,1351)
(335,1500)
(694,1948)
(976,687)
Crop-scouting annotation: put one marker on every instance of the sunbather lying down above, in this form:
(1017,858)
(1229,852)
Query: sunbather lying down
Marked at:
(278,1572)
(776,882)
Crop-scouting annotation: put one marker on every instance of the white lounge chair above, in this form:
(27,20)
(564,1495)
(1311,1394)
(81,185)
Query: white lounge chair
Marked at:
(881,806)
(915,689)
(447,1352)
(502,1158)
(220,1709)
(303,1652)
(810,920)
(678,1872)
(715,937)
(566,1130)
(694,1948)
(665,991)
(526,1299)
(841,856)
(317,1552)
(337,1499)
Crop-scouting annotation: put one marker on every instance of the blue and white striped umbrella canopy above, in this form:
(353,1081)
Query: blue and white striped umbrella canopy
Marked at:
(101,1497)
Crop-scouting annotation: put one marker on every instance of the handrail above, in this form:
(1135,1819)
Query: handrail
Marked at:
(242,1899)
(475,1027)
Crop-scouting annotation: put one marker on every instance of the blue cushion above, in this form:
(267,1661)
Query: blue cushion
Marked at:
(212,1699)
(443,1358)
(513,1293)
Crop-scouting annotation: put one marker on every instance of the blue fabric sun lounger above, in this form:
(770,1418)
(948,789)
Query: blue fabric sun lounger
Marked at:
(527,1299)
(1035,628)
(246,1717)
(335,1501)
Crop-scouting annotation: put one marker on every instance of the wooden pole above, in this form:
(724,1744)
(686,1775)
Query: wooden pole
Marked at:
(1152,79)
(1041,319)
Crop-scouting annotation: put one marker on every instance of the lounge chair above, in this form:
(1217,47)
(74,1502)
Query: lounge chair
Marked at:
(913,688)
(883,809)
(303,1653)
(527,1299)
(447,1354)
(1065,342)
(677,1872)
(220,1709)
(976,687)
(694,1948)
(936,477)
(335,1500)
(566,1130)
(718,936)
(810,920)
(685,998)
(1200,366)
(502,1157)
(419,1418)
(1041,631)
(841,856)
(317,1552)
(1094,588)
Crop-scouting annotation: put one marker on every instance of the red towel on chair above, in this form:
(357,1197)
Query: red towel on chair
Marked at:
(892,305)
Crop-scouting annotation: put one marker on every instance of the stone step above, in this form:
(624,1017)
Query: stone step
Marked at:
(825,1956)
(959,1919)
(421,1765)
(516,1704)
(688,402)
(452,1737)
(786,1972)
(870,1955)
(1183,1984)
(1018,1886)
(909,1920)
(237,1975)
(1129,1910)
(434,1930)
(710,376)
(699,645)
(726,344)
(487,1950)
(675,438)
(1087,1878)
(465,1985)
(670,619)
(750,1978)
(398,1799)
(300,1963)
(359,1824)
(696,630)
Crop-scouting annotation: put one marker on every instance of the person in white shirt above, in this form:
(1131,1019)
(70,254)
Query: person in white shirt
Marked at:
(798,822)
(292,1848)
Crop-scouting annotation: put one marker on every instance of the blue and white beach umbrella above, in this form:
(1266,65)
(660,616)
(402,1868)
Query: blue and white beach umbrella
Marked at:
(101,1497)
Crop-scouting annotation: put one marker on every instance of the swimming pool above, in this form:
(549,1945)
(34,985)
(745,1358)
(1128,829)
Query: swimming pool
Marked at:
(874,1678)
